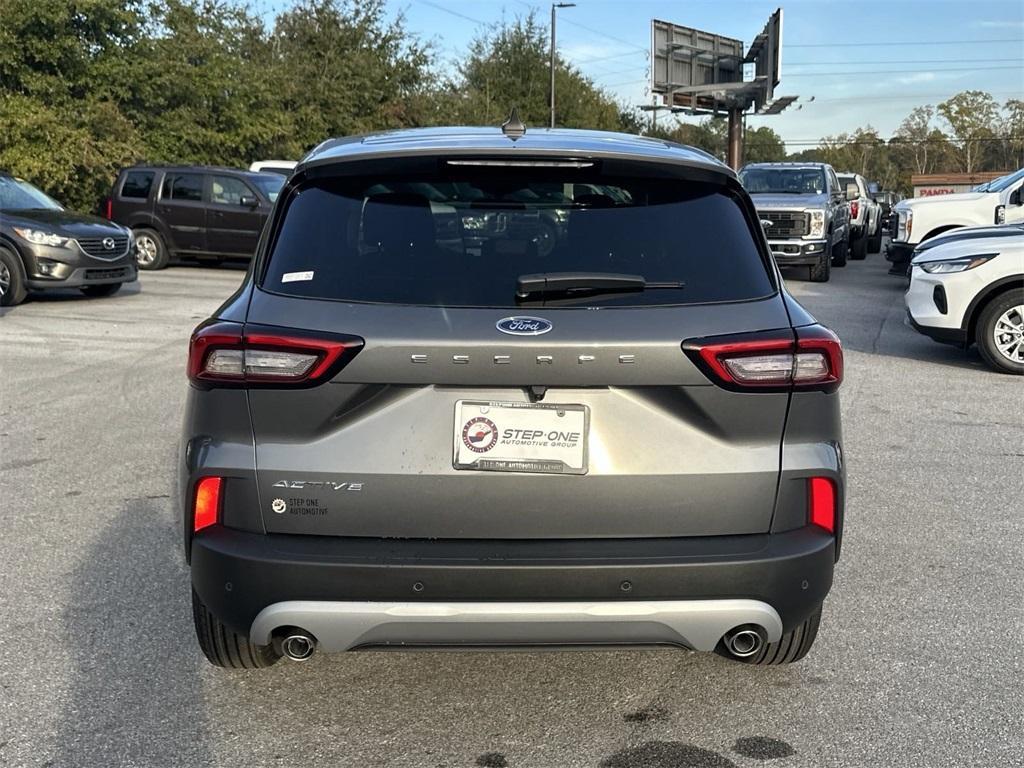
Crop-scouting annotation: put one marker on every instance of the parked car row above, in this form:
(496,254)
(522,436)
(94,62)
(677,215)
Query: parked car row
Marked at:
(814,216)
(922,218)
(154,213)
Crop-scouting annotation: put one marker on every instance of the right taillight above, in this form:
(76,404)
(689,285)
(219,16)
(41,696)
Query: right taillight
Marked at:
(228,353)
(821,503)
(803,358)
(854,209)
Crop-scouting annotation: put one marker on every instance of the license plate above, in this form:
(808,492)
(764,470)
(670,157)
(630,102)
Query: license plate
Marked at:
(521,437)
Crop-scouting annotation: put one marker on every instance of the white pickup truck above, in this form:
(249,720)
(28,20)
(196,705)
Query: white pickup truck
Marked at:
(920,218)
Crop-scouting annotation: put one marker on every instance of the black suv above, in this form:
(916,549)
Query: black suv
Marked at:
(198,211)
(43,245)
(408,428)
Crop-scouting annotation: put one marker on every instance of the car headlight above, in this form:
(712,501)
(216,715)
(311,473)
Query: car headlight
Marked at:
(816,217)
(1000,214)
(904,225)
(41,237)
(956,265)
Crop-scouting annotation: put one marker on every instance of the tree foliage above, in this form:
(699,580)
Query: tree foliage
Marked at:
(88,86)
(510,67)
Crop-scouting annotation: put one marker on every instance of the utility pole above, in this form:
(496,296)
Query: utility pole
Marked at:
(734,154)
(555,7)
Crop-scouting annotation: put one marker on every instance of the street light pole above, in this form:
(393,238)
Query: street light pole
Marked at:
(554,7)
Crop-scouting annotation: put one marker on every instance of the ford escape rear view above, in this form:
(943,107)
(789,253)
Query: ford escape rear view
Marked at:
(486,389)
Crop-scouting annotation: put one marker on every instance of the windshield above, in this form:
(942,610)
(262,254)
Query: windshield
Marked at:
(270,184)
(463,237)
(19,195)
(797,181)
(1000,184)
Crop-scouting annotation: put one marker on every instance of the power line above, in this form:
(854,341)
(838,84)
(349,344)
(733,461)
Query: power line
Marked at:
(894,71)
(618,40)
(1019,41)
(898,140)
(904,61)
(614,56)
(450,12)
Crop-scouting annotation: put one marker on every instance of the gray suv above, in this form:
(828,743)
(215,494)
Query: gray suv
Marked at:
(409,430)
(804,212)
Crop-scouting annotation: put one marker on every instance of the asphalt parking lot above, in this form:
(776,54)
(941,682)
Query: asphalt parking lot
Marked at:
(919,661)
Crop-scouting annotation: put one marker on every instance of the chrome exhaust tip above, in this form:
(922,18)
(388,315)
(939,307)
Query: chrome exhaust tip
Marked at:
(298,646)
(743,642)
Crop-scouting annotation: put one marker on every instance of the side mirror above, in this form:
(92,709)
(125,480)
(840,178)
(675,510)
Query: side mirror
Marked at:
(852,191)
(249,201)
(1015,196)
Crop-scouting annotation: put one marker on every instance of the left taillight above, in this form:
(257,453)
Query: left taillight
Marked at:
(802,358)
(207,502)
(224,353)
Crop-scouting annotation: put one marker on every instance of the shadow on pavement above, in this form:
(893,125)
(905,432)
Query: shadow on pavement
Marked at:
(135,695)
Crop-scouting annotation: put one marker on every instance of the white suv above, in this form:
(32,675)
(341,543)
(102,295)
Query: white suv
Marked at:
(924,217)
(967,287)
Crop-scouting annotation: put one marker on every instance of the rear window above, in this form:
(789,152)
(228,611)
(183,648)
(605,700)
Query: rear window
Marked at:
(137,184)
(463,240)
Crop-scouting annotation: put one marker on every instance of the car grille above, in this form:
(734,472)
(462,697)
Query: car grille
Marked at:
(95,247)
(106,274)
(785,223)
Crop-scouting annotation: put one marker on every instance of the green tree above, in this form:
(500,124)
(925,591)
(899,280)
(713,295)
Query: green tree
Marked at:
(971,116)
(763,145)
(510,67)
(60,120)
(1013,129)
(912,143)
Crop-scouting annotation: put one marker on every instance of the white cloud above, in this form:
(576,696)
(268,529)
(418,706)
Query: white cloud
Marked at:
(1003,24)
(917,77)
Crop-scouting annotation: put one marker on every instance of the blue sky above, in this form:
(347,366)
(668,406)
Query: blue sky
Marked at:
(608,40)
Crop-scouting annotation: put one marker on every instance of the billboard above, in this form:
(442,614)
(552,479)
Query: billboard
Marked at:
(766,55)
(683,57)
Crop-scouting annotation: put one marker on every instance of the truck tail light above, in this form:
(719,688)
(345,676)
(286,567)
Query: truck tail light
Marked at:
(108,209)
(854,208)
(803,358)
(223,353)
(821,503)
(206,509)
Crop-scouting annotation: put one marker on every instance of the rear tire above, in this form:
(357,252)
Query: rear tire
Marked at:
(792,646)
(840,252)
(150,251)
(875,241)
(225,648)
(1006,310)
(12,279)
(822,271)
(109,289)
(859,248)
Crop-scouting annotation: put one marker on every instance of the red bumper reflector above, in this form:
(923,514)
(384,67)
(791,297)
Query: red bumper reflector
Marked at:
(821,503)
(207,506)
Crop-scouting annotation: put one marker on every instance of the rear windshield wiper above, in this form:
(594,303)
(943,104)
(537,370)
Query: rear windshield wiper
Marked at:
(592,283)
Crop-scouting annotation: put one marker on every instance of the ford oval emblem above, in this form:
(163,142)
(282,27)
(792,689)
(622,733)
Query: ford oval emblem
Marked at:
(524,326)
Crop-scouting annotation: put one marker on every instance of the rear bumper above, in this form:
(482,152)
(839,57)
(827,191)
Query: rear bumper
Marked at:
(646,590)
(338,626)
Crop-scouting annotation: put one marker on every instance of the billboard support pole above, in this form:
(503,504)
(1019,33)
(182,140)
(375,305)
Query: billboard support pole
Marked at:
(734,156)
